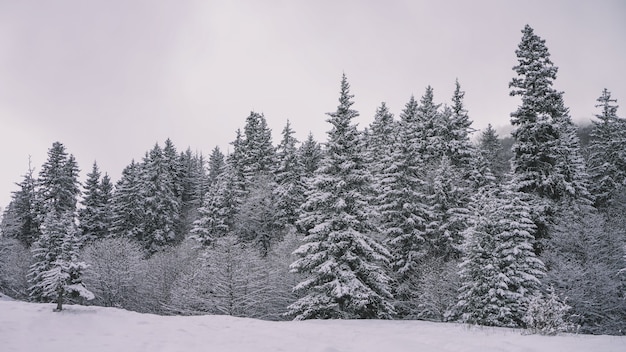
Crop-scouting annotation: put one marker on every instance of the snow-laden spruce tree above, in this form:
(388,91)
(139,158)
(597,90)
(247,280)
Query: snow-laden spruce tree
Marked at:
(343,264)
(607,151)
(491,149)
(217,163)
(310,154)
(93,216)
(430,127)
(459,148)
(58,187)
(288,175)
(404,209)
(547,160)
(161,203)
(450,213)
(216,216)
(19,219)
(127,204)
(380,139)
(56,273)
(499,272)
(258,154)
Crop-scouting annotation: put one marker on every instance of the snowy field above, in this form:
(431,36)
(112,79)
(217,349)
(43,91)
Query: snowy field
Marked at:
(33,327)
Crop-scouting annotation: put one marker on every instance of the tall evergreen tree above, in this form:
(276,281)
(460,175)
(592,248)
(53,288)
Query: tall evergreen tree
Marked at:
(430,126)
(257,148)
(607,151)
(405,213)
(310,153)
(58,185)
(459,126)
(216,217)
(106,202)
(127,205)
(20,219)
(290,186)
(546,155)
(216,165)
(161,203)
(491,149)
(343,264)
(92,216)
(237,163)
(450,213)
(381,138)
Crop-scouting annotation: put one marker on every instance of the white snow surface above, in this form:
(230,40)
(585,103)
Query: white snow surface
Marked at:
(33,327)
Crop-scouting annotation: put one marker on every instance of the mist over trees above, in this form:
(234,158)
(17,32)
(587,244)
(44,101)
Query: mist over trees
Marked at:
(417,216)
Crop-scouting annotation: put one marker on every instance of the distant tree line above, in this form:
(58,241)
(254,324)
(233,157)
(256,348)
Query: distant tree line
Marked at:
(409,218)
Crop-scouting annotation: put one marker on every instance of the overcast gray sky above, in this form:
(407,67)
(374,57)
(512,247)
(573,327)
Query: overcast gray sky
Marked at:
(108,79)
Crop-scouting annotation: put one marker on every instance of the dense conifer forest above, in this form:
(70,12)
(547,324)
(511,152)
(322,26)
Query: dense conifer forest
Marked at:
(416,216)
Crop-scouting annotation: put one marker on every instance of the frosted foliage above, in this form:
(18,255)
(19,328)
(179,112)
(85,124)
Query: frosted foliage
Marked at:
(15,260)
(230,278)
(548,315)
(114,272)
(583,255)
(159,274)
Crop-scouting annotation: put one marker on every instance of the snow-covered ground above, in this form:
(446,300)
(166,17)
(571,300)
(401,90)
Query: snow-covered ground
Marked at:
(33,327)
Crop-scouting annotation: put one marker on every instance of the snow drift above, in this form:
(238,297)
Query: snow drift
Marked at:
(26,327)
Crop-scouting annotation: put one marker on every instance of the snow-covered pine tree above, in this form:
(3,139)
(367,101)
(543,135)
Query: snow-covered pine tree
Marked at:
(173,168)
(607,151)
(458,145)
(310,153)
(57,273)
(450,214)
(216,165)
(127,205)
(547,161)
(237,163)
(58,186)
(19,219)
(92,216)
(430,126)
(194,182)
(342,262)
(160,201)
(106,201)
(404,209)
(490,147)
(380,139)
(258,151)
(499,273)
(289,190)
(216,217)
